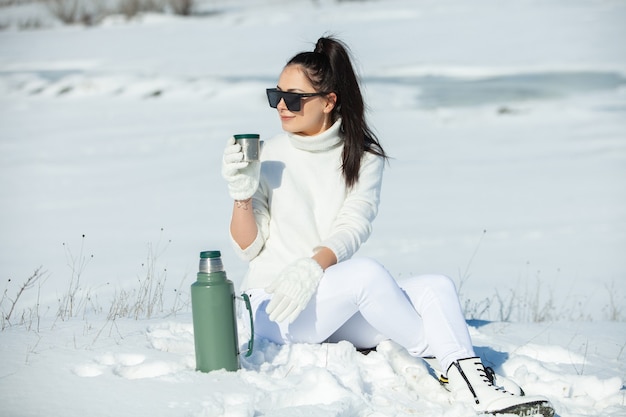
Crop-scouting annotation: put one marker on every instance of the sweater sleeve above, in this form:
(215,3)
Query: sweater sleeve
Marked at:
(353,224)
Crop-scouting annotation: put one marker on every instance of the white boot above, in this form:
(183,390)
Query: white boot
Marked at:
(468,382)
(498,380)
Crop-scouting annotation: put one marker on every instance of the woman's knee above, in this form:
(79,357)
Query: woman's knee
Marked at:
(437,283)
(368,270)
(442,281)
(358,275)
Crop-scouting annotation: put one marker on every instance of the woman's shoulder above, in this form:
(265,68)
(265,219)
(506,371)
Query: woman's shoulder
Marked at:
(371,171)
(373,161)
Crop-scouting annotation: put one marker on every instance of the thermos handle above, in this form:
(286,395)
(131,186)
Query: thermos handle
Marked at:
(246,299)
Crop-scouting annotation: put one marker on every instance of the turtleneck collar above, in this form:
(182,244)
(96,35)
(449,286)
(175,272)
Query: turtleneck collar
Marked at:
(324,141)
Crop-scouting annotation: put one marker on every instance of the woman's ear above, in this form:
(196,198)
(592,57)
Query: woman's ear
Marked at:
(331,101)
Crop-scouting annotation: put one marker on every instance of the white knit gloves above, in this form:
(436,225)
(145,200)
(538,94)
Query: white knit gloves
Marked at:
(292,289)
(242,176)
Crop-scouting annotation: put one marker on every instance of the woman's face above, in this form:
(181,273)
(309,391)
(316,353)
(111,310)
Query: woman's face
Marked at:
(314,115)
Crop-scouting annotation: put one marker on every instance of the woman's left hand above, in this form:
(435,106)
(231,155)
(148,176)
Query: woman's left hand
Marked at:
(292,289)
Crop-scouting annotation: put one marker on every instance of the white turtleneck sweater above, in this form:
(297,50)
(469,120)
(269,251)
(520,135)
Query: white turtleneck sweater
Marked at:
(302,204)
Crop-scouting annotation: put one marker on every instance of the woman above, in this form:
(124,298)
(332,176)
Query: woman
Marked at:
(300,215)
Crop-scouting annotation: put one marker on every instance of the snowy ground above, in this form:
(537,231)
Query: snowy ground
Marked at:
(508,131)
(146,368)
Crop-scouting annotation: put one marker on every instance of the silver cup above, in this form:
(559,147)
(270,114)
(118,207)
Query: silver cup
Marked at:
(250,146)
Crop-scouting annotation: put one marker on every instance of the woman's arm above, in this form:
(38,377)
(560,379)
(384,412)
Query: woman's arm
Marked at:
(353,224)
(249,225)
(325,257)
(243,227)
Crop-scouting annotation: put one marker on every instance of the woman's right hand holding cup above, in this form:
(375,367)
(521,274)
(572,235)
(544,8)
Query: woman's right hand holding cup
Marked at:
(242,176)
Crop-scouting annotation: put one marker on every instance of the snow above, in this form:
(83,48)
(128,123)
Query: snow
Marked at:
(146,367)
(507,128)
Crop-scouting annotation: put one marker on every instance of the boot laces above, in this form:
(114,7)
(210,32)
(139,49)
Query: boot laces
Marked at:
(488,375)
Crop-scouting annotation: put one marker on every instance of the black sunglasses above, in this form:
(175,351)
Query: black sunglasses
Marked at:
(292,100)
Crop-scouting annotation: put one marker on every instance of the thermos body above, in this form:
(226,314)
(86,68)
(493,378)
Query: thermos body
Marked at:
(214,319)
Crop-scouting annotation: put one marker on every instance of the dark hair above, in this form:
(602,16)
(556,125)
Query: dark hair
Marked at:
(329,69)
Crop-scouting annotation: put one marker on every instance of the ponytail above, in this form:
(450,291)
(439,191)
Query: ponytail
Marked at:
(329,68)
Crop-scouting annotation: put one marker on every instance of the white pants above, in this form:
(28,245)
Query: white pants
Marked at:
(359,301)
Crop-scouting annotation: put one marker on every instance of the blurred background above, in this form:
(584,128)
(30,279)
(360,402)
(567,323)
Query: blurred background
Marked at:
(505,122)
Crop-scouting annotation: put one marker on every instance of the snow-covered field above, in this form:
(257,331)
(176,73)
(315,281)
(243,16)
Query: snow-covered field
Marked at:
(507,124)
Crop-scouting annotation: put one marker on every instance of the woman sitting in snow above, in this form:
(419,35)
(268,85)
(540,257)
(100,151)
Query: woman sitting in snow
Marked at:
(302,213)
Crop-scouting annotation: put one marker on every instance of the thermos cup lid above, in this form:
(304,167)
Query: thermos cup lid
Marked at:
(247,136)
(210,254)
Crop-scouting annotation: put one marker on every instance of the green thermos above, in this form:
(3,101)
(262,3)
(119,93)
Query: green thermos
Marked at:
(214,320)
